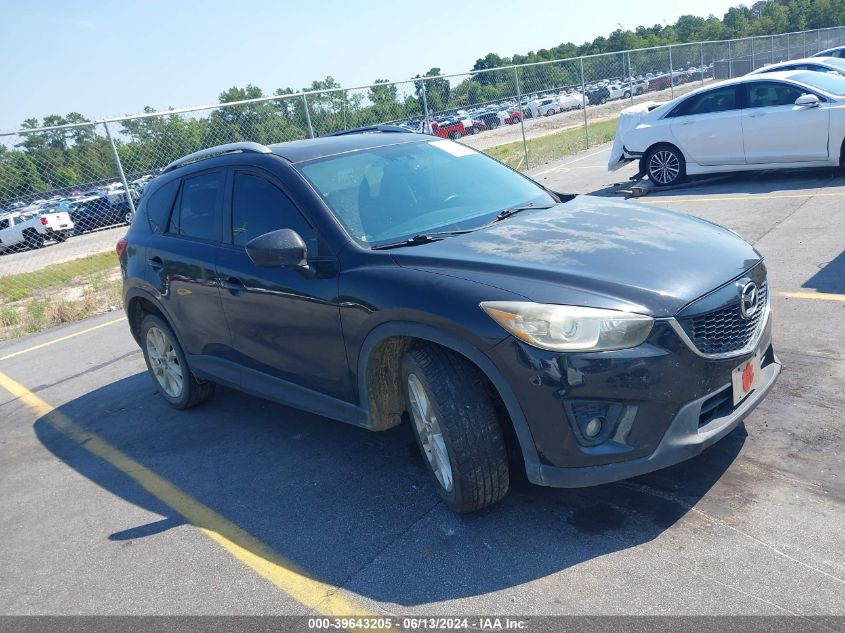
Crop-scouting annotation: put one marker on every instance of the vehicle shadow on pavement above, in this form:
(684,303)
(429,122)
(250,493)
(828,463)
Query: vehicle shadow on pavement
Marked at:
(830,278)
(746,183)
(354,508)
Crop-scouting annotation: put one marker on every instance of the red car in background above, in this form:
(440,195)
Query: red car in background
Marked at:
(451,128)
(661,82)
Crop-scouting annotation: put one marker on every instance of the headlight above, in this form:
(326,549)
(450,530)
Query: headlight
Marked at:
(562,328)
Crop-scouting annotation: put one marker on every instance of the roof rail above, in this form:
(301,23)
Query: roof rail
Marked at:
(373,128)
(217,150)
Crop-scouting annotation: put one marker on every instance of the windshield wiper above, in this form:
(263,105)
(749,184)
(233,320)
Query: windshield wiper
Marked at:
(422,238)
(506,213)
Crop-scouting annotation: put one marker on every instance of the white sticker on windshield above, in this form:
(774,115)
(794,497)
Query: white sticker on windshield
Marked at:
(455,149)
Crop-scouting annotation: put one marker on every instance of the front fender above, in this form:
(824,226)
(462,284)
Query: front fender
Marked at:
(406,330)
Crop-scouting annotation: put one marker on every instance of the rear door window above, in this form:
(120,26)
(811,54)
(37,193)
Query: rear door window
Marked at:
(199,207)
(718,100)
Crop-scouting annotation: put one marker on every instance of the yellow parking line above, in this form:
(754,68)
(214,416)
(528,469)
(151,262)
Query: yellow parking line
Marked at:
(319,596)
(717,198)
(62,338)
(821,296)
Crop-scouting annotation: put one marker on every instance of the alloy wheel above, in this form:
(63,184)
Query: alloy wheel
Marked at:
(664,166)
(430,433)
(164,362)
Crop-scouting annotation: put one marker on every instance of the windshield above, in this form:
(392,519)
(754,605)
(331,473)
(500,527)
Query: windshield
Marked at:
(386,194)
(830,83)
(835,61)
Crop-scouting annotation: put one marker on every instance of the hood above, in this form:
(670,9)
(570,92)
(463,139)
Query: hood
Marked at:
(596,252)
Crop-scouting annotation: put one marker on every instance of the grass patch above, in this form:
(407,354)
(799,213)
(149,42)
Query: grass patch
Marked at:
(57,294)
(26,285)
(551,146)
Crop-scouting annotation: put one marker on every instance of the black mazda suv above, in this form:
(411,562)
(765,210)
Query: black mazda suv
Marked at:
(383,277)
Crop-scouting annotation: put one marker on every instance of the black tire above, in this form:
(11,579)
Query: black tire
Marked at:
(466,418)
(674,165)
(193,391)
(60,237)
(33,239)
(627,94)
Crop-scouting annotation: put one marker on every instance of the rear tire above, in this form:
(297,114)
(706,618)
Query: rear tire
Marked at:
(665,165)
(456,428)
(168,368)
(33,239)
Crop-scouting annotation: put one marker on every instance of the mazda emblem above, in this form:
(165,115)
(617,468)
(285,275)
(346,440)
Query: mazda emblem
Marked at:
(749,300)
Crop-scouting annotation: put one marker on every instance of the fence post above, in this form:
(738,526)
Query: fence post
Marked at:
(426,113)
(584,107)
(630,77)
(730,61)
(701,68)
(671,74)
(772,48)
(753,64)
(307,116)
(804,42)
(521,116)
(120,169)
(788,48)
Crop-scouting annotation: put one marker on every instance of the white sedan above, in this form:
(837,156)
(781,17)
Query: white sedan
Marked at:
(777,120)
(818,64)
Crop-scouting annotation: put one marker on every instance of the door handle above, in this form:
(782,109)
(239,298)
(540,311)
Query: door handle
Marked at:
(155,262)
(687,122)
(234,285)
(756,115)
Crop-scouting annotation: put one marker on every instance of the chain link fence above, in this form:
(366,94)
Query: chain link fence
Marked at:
(68,191)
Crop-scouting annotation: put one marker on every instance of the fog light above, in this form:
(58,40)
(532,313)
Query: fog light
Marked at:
(593,427)
(593,421)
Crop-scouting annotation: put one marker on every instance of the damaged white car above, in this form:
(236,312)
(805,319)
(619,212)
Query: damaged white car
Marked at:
(778,120)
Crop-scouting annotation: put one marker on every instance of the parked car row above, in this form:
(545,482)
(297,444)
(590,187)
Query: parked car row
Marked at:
(454,124)
(30,225)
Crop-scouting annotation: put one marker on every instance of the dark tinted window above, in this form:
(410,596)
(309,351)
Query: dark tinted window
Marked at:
(258,207)
(198,204)
(718,100)
(4,224)
(159,204)
(768,94)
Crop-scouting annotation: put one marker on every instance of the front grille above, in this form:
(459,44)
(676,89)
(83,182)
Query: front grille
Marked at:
(724,330)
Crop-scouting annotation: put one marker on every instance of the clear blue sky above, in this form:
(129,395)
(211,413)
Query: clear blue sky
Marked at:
(106,58)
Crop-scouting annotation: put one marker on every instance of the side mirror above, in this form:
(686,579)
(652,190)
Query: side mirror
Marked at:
(808,101)
(283,248)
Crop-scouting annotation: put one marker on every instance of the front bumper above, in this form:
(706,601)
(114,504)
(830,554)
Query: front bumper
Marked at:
(683,440)
(664,389)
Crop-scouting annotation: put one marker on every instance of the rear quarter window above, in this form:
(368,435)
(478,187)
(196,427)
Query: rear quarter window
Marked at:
(159,204)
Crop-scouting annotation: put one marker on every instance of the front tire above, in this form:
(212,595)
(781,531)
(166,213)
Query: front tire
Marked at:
(665,165)
(456,428)
(168,368)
